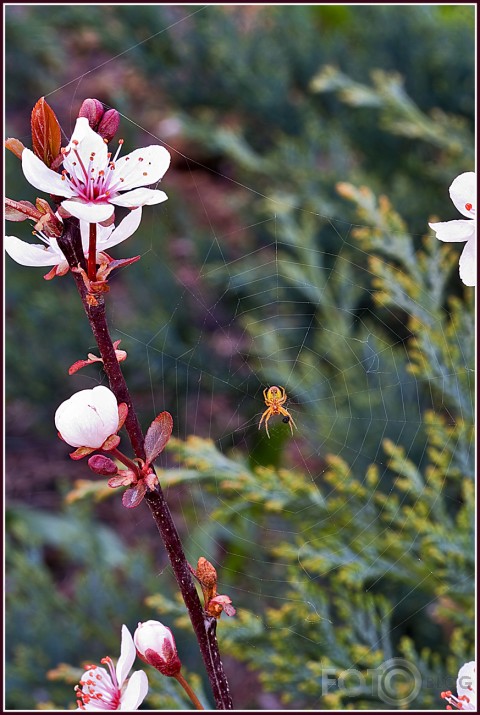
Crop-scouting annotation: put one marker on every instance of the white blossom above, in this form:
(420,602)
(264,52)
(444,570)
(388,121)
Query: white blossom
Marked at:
(463,194)
(466,698)
(48,253)
(93,182)
(109,689)
(88,418)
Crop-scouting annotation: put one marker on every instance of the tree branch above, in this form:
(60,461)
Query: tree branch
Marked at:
(203,625)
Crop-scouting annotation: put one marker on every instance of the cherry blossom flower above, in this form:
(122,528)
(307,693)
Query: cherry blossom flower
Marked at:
(49,253)
(93,182)
(108,688)
(88,418)
(466,698)
(155,645)
(463,194)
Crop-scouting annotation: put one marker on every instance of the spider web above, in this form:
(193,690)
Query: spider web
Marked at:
(255,324)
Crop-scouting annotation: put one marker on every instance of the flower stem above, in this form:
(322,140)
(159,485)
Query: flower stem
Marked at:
(92,252)
(124,459)
(204,626)
(189,691)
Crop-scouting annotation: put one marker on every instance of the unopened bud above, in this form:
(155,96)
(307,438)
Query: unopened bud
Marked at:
(206,572)
(102,465)
(93,110)
(155,645)
(109,124)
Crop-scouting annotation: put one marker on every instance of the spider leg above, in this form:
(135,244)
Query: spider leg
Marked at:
(266,416)
(263,417)
(266,426)
(265,395)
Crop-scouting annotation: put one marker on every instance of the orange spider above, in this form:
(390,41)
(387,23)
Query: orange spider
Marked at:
(274,398)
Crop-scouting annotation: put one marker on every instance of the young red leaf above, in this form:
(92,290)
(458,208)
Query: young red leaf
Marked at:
(157,436)
(78,366)
(81,452)
(122,410)
(132,497)
(228,609)
(46,134)
(111,442)
(124,479)
(20,210)
(15,146)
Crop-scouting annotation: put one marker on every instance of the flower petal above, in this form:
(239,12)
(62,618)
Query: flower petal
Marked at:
(140,197)
(468,264)
(467,682)
(32,254)
(88,417)
(124,230)
(459,230)
(93,213)
(43,178)
(135,692)
(89,147)
(142,167)
(103,233)
(463,191)
(128,654)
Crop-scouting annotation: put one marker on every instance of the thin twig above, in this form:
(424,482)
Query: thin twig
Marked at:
(203,625)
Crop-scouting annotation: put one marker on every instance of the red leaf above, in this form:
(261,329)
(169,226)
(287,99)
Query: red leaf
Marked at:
(132,497)
(122,413)
(158,435)
(20,210)
(46,134)
(78,366)
(111,442)
(122,480)
(122,262)
(81,452)
(15,146)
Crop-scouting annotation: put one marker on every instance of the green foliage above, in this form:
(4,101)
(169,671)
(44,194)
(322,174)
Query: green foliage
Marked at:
(395,537)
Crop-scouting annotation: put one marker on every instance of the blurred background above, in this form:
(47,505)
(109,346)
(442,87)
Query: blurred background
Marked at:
(310,147)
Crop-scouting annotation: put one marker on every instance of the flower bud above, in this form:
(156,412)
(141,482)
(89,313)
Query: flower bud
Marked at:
(93,110)
(88,418)
(109,124)
(206,572)
(102,465)
(155,645)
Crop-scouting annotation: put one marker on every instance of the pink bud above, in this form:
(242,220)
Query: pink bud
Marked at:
(102,465)
(109,124)
(93,110)
(155,645)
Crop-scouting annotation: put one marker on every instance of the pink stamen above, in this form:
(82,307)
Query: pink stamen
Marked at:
(461,703)
(100,686)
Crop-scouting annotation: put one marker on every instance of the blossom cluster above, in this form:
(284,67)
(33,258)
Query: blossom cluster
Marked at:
(91,185)
(110,688)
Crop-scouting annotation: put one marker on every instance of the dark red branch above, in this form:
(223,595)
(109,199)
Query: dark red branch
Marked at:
(203,625)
